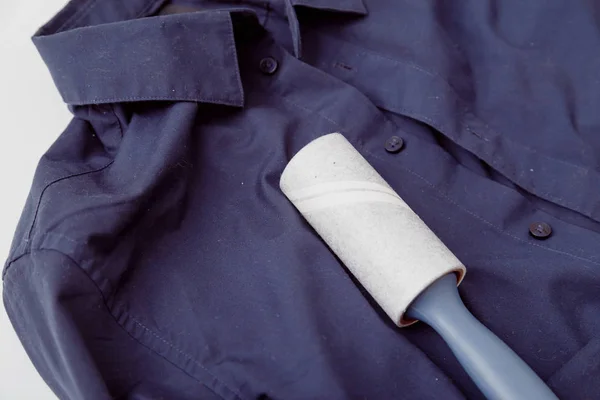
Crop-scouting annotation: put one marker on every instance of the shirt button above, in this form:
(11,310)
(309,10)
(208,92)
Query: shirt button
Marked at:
(540,230)
(394,144)
(268,65)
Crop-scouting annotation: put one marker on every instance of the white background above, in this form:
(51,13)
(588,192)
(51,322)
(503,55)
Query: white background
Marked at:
(32,115)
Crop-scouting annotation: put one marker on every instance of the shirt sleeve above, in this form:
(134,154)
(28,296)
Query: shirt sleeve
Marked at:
(74,341)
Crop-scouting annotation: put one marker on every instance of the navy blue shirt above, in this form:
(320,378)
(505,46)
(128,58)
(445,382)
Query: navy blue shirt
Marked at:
(157,258)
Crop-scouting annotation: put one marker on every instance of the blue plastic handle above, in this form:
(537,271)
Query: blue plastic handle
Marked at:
(497,370)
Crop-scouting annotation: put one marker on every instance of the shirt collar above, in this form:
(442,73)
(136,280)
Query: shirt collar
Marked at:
(106,52)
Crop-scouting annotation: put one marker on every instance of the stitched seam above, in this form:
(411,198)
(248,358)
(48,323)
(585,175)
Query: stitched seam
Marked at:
(10,289)
(120,99)
(104,302)
(77,16)
(178,350)
(336,124)
(267,7)
(294,28)
(233,49)
(449,199)
(112,108)
(367,51)
(494,161)
(87,11)
(150,4)
(14,260)
(154,334)
(37,208)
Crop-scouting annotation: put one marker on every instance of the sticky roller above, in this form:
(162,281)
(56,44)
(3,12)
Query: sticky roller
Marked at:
(364,221)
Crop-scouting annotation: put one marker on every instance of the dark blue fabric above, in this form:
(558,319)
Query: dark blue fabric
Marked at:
(157,258)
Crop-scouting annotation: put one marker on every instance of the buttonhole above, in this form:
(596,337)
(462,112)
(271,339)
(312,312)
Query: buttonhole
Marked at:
(343,66)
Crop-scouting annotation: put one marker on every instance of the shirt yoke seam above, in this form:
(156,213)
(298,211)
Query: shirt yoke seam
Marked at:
(39,202)
(41,196)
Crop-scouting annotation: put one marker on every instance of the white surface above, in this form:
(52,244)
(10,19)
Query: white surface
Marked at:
(32,115)
(385,245)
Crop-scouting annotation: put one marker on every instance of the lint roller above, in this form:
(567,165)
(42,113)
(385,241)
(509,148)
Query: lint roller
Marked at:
(364,221)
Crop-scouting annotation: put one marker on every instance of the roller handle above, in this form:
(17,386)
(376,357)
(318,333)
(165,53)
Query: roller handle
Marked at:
(492,365)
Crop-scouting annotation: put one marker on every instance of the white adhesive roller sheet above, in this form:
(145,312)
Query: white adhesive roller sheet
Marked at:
(372,230)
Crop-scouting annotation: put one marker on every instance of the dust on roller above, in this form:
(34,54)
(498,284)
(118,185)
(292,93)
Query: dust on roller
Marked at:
(366,223)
